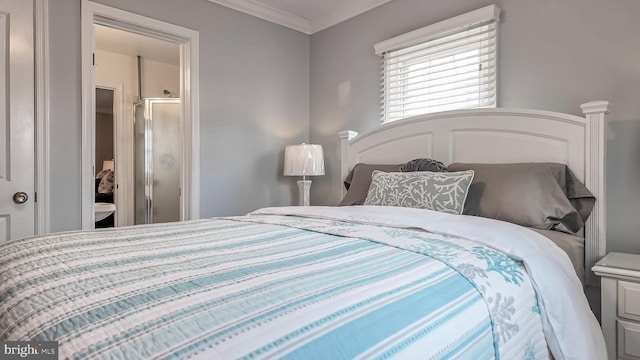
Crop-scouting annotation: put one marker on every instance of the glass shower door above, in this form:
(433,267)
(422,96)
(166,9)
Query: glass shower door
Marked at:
(140,168)
(157,160)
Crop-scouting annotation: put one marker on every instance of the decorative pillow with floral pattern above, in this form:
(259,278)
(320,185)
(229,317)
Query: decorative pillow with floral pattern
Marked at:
(439,191)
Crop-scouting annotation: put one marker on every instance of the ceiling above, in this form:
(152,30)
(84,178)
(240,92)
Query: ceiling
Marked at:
(307,16)
(130,44)
(127,43)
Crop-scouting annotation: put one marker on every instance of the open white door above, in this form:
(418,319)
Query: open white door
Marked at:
(17,181)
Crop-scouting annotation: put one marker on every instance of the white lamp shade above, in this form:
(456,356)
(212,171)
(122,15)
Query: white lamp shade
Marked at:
(108,164)
(303,160)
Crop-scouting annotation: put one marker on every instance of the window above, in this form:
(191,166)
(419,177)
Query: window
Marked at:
(445,66)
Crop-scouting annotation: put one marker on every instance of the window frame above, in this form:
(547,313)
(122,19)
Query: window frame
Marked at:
(432,32)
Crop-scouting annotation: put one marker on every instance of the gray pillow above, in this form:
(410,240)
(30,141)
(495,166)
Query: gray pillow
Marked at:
(424,164)
(358,181)
(360,177)
(538,195)
(439,191)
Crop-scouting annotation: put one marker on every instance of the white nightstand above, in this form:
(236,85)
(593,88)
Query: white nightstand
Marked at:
(620,304)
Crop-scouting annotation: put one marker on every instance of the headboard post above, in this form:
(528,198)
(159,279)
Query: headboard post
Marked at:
(595,230)
(345,136)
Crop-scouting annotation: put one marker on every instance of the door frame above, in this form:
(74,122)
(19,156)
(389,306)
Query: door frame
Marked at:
(120,149)
(188,39)
(41,117)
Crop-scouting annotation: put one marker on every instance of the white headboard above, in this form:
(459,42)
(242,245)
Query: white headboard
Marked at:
(498,136)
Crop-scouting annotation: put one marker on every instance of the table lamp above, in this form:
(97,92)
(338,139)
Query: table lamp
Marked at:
(303,160)
(108,165)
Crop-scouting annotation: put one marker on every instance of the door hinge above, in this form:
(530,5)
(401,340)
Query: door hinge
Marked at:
(94,59)
(35,197)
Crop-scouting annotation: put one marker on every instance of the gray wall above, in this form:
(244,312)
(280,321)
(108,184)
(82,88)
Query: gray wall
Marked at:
(254,100)
(256,95)
(554,55)
(65,152)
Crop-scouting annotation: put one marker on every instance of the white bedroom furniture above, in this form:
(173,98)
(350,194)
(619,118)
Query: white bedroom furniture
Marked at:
(303,160)
(497,136)
(620,304)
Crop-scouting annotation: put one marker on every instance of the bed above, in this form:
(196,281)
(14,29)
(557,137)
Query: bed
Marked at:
(329,282)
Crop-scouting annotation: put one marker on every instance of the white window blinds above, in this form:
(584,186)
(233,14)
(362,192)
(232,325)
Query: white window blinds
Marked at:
(438,69)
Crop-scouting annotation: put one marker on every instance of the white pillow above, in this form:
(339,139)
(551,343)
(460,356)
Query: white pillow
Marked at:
(439,191)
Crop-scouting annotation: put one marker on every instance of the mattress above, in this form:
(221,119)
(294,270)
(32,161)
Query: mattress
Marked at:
(282,284)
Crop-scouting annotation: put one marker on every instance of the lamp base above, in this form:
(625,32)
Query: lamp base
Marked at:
(303,189)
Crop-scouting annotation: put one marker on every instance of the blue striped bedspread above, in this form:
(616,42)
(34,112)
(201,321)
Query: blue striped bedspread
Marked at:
(268,286)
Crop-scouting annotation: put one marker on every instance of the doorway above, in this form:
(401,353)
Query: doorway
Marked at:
(187,41)
(105,189)
(147,71)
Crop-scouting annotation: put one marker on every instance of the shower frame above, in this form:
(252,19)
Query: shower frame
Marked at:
(149,175)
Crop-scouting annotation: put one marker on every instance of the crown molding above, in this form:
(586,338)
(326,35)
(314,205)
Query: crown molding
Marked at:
(287,19)
(345,12)
(268,13)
